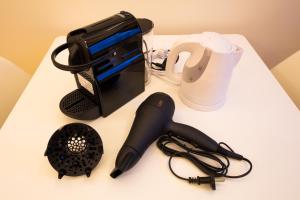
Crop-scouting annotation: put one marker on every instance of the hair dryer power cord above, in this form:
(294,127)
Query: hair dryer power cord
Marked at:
(216,173)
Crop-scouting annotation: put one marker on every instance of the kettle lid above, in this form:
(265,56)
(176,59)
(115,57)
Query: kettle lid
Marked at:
(216,42)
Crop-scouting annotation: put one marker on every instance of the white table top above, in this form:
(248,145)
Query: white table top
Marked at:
(258,120)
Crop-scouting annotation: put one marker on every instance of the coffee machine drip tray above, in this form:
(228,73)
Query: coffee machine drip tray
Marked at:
(77,105)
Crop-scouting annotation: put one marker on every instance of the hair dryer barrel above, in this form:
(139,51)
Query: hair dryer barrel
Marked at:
(151,118)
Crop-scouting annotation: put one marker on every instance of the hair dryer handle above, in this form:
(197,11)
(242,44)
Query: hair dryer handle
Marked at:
(193,136)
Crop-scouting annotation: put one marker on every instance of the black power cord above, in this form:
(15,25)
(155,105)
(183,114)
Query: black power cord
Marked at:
(161,66)
(216,173)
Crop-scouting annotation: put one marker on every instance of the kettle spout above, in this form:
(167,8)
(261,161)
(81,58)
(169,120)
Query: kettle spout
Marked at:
(236,55)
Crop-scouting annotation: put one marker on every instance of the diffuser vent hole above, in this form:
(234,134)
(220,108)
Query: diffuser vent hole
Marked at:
(77,144)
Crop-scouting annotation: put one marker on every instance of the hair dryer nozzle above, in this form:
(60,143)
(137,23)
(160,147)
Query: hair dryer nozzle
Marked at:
(116,172)
(125,161)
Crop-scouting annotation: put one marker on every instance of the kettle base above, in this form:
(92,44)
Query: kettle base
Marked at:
(201,107)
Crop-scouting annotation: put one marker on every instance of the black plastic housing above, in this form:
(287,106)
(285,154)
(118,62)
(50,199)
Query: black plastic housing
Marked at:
(117,76)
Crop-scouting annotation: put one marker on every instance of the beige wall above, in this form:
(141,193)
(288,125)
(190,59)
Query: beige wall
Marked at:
(29,27)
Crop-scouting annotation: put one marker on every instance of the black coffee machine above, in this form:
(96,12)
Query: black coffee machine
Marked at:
(108,64)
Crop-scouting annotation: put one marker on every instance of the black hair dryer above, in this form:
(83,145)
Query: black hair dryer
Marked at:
(154,119)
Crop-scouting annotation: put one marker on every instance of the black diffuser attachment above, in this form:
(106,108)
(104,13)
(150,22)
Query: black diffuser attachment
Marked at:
(74,150)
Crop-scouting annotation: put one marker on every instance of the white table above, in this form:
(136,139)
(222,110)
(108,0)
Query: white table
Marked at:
(258,120)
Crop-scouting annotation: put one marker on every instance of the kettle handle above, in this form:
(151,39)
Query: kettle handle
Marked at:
(196,50)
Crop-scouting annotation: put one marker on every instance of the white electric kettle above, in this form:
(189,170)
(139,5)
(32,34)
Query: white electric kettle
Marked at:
(207,71)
